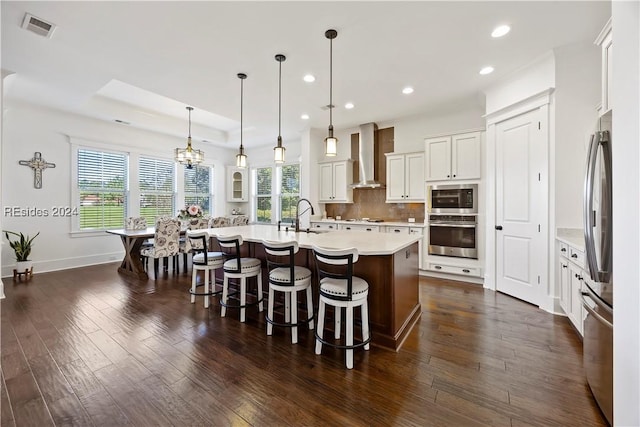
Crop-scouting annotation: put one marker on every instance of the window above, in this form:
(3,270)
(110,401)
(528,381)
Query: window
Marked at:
(197,188)
(263,194)
(102,186)
(289,191)
(156,183)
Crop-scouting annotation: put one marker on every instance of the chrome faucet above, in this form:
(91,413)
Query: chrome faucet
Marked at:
(298,213)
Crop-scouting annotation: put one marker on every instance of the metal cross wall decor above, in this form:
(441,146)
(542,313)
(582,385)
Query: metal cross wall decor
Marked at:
(38,164)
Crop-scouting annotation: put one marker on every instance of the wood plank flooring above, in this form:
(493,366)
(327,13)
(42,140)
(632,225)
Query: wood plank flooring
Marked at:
(91,347)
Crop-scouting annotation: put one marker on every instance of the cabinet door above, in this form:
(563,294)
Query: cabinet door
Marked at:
(340,182)
(326,182)
(563,271)
(465,156)
(395,178)
(438,159)
(575,312)
(237,185)
(414,177)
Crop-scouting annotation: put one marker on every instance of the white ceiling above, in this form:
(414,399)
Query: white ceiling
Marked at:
(144,62)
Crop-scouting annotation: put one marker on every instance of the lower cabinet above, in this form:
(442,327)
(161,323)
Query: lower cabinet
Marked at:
(571,277)
(453,269)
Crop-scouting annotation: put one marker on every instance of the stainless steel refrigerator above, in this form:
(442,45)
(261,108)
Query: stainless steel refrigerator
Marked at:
(597,295)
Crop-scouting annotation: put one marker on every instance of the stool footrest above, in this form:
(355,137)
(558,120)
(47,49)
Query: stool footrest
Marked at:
(289,325)
(250,304)
(347,347)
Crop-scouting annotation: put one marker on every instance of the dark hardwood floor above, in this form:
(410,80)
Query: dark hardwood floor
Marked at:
(91,347)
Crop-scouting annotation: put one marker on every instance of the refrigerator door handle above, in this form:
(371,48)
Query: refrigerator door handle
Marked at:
(592,311)
(588,206)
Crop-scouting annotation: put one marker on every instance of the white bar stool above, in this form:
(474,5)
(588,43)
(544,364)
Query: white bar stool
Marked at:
(237,267)
(203,260)
(341,289)
(286,277)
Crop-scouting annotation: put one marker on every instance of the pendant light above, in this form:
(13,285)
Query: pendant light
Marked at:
(278,150)
(241,158)
(331,142)
(188,156)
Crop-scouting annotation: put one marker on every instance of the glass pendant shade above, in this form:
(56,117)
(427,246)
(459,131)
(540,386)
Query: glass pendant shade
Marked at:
(278,150)
(331,142)
(241,158)
(189,156)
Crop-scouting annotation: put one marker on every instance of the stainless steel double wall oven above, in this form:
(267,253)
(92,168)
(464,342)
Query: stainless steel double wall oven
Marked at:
(453,220)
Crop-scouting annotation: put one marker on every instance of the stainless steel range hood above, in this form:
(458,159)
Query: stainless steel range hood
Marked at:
(366,157)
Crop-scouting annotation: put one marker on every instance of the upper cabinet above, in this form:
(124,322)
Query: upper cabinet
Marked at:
(453,157)
(405,177)
(335,181)
(237,184)
(605,41)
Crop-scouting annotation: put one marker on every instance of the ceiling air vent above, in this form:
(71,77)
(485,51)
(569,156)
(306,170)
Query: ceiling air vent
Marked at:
(38,26)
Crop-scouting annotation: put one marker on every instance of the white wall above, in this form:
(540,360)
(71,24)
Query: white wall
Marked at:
(626,212)
(577,94)
(27,129)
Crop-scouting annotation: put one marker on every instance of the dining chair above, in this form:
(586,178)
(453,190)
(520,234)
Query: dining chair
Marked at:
(165,243)
(339,288)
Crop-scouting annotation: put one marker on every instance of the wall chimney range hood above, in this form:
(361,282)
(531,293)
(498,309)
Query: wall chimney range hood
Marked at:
(366,157)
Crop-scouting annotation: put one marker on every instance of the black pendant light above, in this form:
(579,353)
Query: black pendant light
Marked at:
(331,142)
(188,156)
(241,158)
(278,150)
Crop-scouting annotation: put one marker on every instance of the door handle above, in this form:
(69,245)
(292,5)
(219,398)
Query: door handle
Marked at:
(498,227)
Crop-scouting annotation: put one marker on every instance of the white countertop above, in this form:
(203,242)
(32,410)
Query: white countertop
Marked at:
(366,243)
(571,236)
(391,223)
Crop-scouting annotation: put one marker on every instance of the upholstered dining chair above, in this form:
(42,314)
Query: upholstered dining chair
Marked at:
(166,243)
(240,220)
(191,246)
(219,221)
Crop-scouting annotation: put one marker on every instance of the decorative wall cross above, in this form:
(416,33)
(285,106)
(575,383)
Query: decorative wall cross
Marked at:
(38,164)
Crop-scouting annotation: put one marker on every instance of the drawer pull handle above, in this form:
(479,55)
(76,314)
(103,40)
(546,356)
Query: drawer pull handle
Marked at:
(396,230)
(563,250)
(466,270)
(437,267)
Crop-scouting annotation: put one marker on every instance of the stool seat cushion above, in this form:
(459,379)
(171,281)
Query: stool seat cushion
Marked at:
(338,287)
(213,258)
(282,274)
(245,264)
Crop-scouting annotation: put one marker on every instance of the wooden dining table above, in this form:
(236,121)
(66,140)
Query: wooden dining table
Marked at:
(132,241)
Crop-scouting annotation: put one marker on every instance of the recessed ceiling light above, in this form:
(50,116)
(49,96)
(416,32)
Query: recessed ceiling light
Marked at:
(304,117)
(407,90)
(486,70)
(500,31)
(348,105)
(309,78)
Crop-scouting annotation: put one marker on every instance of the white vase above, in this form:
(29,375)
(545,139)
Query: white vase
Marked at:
(22,266)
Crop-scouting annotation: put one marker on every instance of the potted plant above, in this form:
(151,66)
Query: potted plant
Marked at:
(22,248)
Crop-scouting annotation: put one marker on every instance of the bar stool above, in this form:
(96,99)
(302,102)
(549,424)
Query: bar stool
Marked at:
(285,276)
(203,260)
(340,288)
(237,267)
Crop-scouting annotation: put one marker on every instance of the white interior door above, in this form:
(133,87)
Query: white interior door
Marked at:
(520,254)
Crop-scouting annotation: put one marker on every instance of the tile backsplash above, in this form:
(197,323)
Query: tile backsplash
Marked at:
(370,203)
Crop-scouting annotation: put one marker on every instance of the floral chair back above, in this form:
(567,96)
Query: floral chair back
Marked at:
(240,220)
(135,223)
(220,221)
(196,224)
(166,239)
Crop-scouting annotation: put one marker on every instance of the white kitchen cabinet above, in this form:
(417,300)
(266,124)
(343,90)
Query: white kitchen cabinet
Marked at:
(572,274)
(360,227)
(605,41)
(405,177)
(453,157)
(453,269)
(324,226)
(237,184)
(335,181)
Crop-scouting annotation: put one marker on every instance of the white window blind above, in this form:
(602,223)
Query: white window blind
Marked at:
(197,188)
(156,181)
(102,186)
(289,192)
(263,194)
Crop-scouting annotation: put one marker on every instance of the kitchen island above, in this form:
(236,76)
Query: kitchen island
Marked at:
(388,262)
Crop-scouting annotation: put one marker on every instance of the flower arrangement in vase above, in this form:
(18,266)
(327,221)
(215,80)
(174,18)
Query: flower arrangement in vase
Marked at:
(191,211)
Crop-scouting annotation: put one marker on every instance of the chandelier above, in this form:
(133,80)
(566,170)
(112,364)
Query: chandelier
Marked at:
(189,156)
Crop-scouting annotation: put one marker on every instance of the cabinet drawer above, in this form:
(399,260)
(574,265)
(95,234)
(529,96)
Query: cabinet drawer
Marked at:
(359,227)
(416,230)
(576,256)
(564,250)
(323,226)
(443,268)
(397,230)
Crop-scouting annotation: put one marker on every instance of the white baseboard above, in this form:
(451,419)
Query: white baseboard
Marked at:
(66,263)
